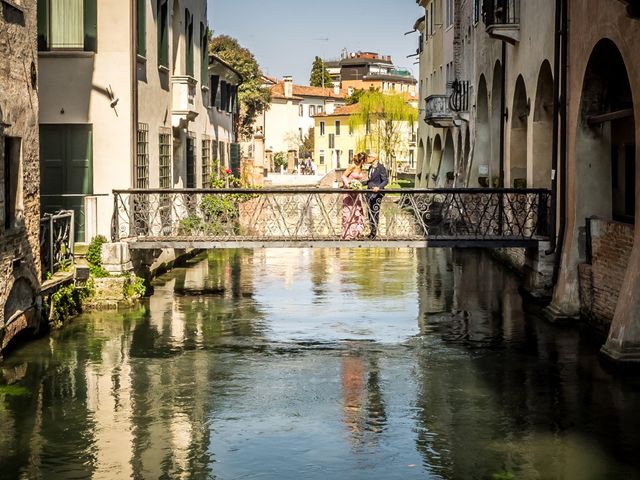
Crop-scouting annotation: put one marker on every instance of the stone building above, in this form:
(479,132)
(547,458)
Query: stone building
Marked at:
(19,175)
(515,62)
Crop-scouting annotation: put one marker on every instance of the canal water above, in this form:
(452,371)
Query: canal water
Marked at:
(319,364)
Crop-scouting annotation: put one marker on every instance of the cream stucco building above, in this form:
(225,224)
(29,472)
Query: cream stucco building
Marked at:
(129,99)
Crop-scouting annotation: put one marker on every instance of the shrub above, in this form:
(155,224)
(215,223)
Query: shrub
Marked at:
(94,256)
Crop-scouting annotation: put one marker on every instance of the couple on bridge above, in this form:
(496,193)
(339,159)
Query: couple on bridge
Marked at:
(352,211)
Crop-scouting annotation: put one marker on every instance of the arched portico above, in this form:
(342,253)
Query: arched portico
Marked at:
(480,167)
(542,130)
(447,167)
(496,120)
(518,138)
(436,158)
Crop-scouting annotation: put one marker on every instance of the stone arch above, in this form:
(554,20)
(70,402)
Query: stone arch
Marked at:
(19,310)
(542,128)
(420,163)
(447,166)
(461,161)
(496,121)
(467,156)
(605,149)
(427,160)
(436,158)
(518,137)
(480,168)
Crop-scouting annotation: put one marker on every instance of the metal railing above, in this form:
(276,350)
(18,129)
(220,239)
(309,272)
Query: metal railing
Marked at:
(56,241)
(501,12)
(212,217)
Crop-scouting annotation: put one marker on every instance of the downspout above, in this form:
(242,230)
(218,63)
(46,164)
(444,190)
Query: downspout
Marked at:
(134,88)
(563,138)
(503,111)
(554,141)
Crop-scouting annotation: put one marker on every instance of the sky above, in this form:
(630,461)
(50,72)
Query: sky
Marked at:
(286,35)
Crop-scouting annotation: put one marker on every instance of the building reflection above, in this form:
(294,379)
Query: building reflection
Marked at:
(364,411)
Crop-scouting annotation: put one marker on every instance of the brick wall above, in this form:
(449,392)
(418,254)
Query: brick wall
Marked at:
(600,282)
(19,245)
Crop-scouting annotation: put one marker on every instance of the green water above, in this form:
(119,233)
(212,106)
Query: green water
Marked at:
(319,364)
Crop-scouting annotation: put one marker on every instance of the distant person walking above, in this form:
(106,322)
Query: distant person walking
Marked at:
(378,180)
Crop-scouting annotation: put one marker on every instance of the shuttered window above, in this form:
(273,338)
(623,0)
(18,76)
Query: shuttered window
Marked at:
(163,33)
(67,25)
(141,25)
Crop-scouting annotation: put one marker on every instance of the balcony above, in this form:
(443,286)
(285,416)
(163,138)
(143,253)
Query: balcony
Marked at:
(448,110)
(502,19)
(183,107)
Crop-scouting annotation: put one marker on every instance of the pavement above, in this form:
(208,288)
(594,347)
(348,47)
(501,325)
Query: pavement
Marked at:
(292,180)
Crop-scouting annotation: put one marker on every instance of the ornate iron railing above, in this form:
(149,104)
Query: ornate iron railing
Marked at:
(212,217)
(501,12)
(56,241)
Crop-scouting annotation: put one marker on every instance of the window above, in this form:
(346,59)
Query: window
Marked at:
(300,134)
(191,161)
(321,160)
(141,17)
(206,162)
(142,157)
(332,140)
(300,110)
(337,127)
(321,128)
(476,11)
(67,25)
(214,97)
(188,33)
(215,166)
(222,157)
(312,110)
(165,159)
(350,156)
(320,109)
(163,33)
(350,129)
(449,13)
(338,152)
(12,182)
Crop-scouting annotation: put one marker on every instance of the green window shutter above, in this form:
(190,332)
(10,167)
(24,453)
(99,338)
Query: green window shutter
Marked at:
(90,26)
(215,81)
(188,21)
(141,14)
(43,26)
(234,160)
(204,55)
(163,33)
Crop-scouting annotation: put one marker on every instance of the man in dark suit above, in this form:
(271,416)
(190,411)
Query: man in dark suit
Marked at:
(378,179)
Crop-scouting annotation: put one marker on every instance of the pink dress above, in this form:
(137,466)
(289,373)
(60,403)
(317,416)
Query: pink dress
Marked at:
(352,212)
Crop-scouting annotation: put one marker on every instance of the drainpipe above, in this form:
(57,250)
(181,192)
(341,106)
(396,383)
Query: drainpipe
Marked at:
(503,110)
(554,141)
(564,34)
(134,88)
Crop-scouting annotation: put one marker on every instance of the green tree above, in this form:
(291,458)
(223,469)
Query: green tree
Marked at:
(385,119)
(320,75)
(308,145)
(254,98)
(355,96)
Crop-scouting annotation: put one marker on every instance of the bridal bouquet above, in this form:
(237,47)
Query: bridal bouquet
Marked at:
(355,185)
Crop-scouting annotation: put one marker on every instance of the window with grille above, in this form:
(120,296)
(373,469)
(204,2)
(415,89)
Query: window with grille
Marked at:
(321,128)
(206,163)
(337,127)
(142,157)
(191,161)
(165,160)
(215,164)
(332,140)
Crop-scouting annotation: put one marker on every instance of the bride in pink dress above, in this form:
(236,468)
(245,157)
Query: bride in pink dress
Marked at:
(352,212)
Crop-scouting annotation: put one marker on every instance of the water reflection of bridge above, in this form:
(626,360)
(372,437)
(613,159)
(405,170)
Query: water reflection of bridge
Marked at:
(255,218)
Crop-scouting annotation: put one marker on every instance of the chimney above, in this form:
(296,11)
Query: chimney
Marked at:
(288,86)
(330,106)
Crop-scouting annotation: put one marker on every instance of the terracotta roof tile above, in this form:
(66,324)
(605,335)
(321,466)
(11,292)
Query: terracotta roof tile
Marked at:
(277,91)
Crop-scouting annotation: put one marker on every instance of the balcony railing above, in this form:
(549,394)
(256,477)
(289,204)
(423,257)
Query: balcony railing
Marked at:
(502,19)
(443,110)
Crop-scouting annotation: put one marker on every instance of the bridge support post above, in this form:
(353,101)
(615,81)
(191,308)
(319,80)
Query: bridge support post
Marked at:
(116,258)
(538,272)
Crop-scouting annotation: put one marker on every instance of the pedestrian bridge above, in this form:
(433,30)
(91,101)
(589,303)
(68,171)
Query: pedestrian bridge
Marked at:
(329,217)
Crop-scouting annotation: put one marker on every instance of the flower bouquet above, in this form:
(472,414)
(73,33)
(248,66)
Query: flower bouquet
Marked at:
(356,185)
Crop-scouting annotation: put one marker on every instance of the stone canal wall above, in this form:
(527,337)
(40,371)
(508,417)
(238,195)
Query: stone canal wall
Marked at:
(601,277)
(19,170)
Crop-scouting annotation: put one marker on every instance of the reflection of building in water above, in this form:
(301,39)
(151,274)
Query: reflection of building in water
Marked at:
(364,412)
(435,282)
